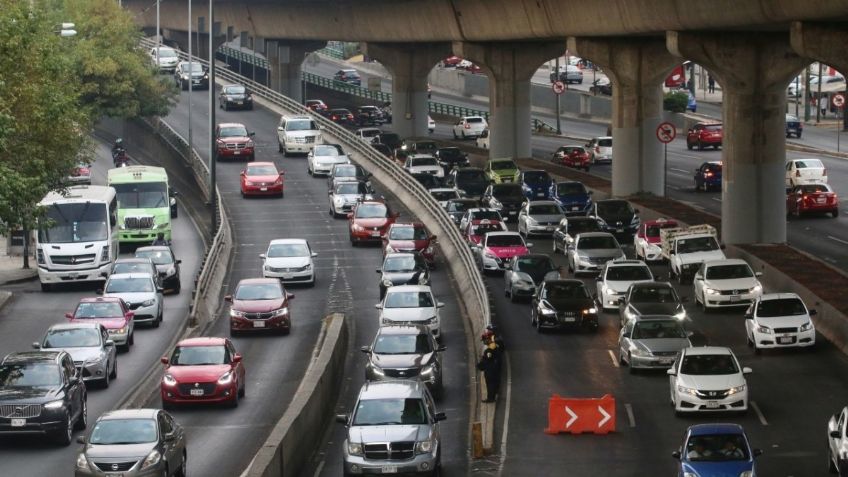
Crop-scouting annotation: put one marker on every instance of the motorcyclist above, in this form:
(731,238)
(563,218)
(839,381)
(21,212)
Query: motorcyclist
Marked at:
(160,240)
(119,154)
(118,146)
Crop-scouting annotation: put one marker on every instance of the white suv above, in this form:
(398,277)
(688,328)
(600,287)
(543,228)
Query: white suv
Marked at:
(779,320)
(297,134)
(600,148)
(469,127)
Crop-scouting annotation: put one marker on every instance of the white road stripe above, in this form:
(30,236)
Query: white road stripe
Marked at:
(679,170)
(613,358)
(319,468)
(837,239)
(507,405)
(715,199)
(759,413)
(629,409)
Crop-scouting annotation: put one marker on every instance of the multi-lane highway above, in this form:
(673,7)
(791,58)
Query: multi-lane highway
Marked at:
(27,317)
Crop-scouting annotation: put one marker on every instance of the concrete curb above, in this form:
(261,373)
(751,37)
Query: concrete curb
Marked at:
(794,146)
(5,297)
(21,279)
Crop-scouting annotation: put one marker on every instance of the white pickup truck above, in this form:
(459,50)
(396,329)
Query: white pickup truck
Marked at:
(686,248)
(837,443)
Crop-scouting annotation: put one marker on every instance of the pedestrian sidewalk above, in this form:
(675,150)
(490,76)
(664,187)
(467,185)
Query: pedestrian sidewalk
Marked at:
(11,270)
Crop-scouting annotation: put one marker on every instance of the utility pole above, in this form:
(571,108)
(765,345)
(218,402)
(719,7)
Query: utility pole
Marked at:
(213,201)
(807,96)
(158,39)
(819,97)
(190,87)
(556,96)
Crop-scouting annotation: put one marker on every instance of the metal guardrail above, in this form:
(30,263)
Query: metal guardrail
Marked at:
(243,56)
(346,88)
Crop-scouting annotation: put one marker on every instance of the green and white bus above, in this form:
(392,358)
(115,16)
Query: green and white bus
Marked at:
(146,203)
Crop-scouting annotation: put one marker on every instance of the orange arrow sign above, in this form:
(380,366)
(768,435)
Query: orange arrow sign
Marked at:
(576,416)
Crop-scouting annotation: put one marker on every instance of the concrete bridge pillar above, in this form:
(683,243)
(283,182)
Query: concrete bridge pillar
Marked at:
(285,60)
(409,64)
(510,66)
(636,67)
(754,70)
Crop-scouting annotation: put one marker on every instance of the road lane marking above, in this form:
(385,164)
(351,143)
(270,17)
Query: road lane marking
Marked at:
(319,468)
(837,239)
(613,358)
(507,405)
(630,418)
(679,170)
(759,413)
(716,199)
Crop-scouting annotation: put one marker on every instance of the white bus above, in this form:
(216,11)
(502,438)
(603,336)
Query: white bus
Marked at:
(77,237)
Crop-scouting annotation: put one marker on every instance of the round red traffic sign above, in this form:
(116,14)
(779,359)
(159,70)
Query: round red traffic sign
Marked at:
(558,87)
(838,100)
(666,132)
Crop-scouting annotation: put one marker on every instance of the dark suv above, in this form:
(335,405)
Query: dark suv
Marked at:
(41,392)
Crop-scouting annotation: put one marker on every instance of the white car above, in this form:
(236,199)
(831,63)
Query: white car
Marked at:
(411,305)
(322,158)
(423,164)
(805,171)
(600,149)
(483,139)
(166,60)
(779,320)
(443,195)
(141,294)
(368,134)
(469,127)
(290,260)
(345,194)
(615,279)
(431,125)
(837,443)
(728,282)
(539,217)
(297,134)
(708,378)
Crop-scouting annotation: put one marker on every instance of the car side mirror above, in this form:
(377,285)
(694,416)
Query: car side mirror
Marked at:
(350,216)
(529,245)
(170,436)
(289,296)
(99,291)
(237,358)
(676,454)
(35,345)
(439,416)
(160,290)
(262,256)
(749,316)
(671,372)
(835,434)
(758,452)
(251,134)
(109,343)
(80,439)
(243,173)
(441,348)
(178,262)
(69,316)
(699,278)
(164,360)
(747,370)
(130,315)
(599,278)
(440,305)
(432,238)
(365,349)
(341,418)
(378,306)
(758,274)
(813,312)
(314,254)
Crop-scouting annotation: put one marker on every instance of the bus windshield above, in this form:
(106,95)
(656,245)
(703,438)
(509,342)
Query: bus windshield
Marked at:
(74,222)
(144,195)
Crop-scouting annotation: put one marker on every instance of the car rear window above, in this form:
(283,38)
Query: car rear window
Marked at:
(474,120)
(814,188)
(570,188)
(809,163)
(713,127)
(605,142)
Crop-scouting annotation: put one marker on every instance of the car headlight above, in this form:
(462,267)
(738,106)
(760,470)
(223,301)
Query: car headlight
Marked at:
(758,288)
(747,473)
(531,220)
(54,405)
(640,352)
(764,330)
(354,448)
(628,313)
(171,271)
(249,143)
(386,321)
(428,250)
(736,390)
(40,256)
(162,225)
(148,302)
(358,227)
(226,378)
(248,183)
(152,459)
(582,258)
(690,474)
(423,447)
(685,390)
(117,331)
(495,204)
(547,311)
(489,255)
(169,380)
(431,321)
(711,291)
(680,315)
(389,249)
(339,201)
(185,77)
(95,360)
(237,314)
(387,283)
(806,326)
(590,311)
(82,462)
(282,311)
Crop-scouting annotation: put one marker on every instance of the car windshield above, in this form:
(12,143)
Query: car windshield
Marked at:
(328,150)
(72,338)
(288,250)
(714,168)
(605,142)
(301,125)
(537,177)
(159,257)
(403,263)
(409,299)
(483,229)
(235,90)
(200,355)
(99,310)
(426,146)
(124,432)
(654,230)
(471,176)
(535,264)
(167,53)
(791,119)
(614,208)
(460,206)
(781,307)
(351,188)
(233,131)
(444,195)
(504,191)
(386,412)
(449,153)
(656,329)
(194,67)
(501,165)
(407,233)
(708,365)
(259,291)
(344,170)
(29,374)
(629,273)
(131,267)
(717,448)
(713,128)
(565,291)
(143,195)
(814,188)
(402,344)
(728,272)
(508,240)
(129,285)
(474,120)
(74,223)
(596,243)
(372,211)
(423,161)
(262,171)
(571,188)
(486,215)
(697,244)
(653,295)
(545,209)
(579,226)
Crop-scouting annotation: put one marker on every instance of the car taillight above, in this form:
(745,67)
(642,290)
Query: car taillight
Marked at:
(708,174)
(334,117)
(824,172)
(598,149)
(467,126)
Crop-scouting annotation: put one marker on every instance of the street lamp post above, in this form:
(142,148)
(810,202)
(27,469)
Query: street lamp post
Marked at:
(212,144)
(157,34)
(190,151)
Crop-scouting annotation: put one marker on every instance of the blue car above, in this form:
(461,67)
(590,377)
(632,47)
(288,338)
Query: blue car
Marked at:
(716,450)
(572,197)
(708,176)
(535,184)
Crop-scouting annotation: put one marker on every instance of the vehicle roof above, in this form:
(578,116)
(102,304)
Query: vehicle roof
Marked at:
(400,254)
(408,288)
(96,299)
(74,325)
(287,241)
(658,318)
(611,200)
(400,389)
(462,169)
(715,163)
(256,281)
(129,275)
(778,296)
(625,263)
(717,428)
(27,356)
(225,125)
(463,200)
(129,414)
(417,225)
(442,189)
(571,281)
(402,330)
(702,350)
(420,155)
(299,116)
(541,202)
(502,233)
(235,84)
(134,260)
(374,201)
(651,284)
(726,261)
(502,159)
(660,221)
(131,174)
(80,194)
(594,234)
(203,341)
(262,164)
(708,123)
(602,137)
(154,248)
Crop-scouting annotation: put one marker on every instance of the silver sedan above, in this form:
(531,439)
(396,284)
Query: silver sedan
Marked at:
(94,354)
(651,342)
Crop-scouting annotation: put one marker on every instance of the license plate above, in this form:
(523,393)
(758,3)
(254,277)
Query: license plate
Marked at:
(18,422)
(568,319)
(734,298)
(540,194)
(259,324)
(236,153)
(712,405)
(263,189)
(388,469)
(287,276)
(513,212)
(666,361)
(196,392)
(784,340)
(196,81)
(575,209)
(73,275)
(619,230)
(375,234)
(114,474)
(821,200)
(550,229)
(238,102)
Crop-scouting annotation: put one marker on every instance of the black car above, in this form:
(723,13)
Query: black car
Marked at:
(41,392)
(450,157)
(391,140)
(601,86)
(193,74)
(650,298)
(403,268)
(348,76)
(346,172)
(617,217)
(456,208)
(166,264)
(341,116)
(235,96)
(429,181)
(419,146)
(563,304)
(568,228)
(507,198)
(794,126)
(369,116)
(383,149)
(469,181)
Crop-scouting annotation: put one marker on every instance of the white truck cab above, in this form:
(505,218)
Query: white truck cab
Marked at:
(687,248)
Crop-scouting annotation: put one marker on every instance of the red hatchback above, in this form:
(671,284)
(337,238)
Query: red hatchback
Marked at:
(317,106)
(233,142)
(203,370)
(261,178)
(111,312)
(572,156)
(369,221)
(259,304)
(812,198)
(412,237)
(704,135)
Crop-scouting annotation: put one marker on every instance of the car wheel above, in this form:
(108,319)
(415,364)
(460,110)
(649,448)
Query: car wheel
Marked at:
(242,390)
(630,364)
(757,349)
(63,436)
(533,317)
(104,383)
(621,357)
(539,326)
(835,213)
(114,374)
(178,287)
(554,249)
(512,297)
(46,287)
(82,420)
(700,145)
(226,106)
(234,402)
(464,137)
(799,136)
(183,470)
(131,339)
(455,136)
(704,306)
(749,340)
(688,145)
(234,332)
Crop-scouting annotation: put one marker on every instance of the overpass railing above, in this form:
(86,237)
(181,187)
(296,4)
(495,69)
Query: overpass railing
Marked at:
(342,87)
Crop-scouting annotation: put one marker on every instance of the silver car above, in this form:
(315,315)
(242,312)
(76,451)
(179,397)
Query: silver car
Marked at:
(94,354)
(539,217)
(591,251)
(344,195)
(322,158)
(405,352)
(394,429)
(651,342)
(133,443)
(141,293)
(411,305)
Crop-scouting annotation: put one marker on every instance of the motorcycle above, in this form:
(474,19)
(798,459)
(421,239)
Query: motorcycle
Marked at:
(120,158)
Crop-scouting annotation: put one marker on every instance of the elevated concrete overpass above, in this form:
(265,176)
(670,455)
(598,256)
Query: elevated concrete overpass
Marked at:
(752,48)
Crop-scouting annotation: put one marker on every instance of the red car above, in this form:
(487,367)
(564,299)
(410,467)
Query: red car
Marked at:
(369,220)
(341,116)
(317,106)
(412,237)
(203,370)
(233,141)
(261,178)
(705,135)
(572,156)
(111,312)
(647,238)
(476,229)
(812,198)
(259,304)
(451,61)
